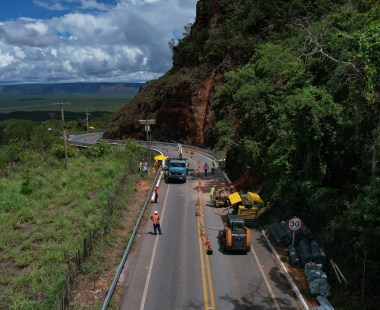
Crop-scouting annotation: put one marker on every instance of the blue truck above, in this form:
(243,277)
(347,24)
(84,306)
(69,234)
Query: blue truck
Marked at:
(176,169)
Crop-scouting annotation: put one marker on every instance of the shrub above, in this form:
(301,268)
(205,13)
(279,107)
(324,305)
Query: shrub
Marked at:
(5,206)
(99,150)
(26,214)
(58,150)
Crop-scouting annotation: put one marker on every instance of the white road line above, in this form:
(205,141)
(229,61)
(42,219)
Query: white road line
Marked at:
(285,271)
(265,279)
(157,184)
(153,254)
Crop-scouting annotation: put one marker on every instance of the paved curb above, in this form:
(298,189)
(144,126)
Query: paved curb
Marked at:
(285,271)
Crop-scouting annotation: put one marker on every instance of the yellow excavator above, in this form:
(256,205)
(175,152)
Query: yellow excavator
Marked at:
(248,206)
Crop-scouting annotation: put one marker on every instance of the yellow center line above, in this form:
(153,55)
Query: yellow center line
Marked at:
(205,295)
(211,288)
(208,290)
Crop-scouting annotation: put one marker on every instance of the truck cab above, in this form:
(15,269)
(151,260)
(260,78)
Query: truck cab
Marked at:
(175,170)
(235,236)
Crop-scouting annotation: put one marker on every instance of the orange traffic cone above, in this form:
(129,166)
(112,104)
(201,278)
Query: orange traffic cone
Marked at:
(198,211)
(209,249)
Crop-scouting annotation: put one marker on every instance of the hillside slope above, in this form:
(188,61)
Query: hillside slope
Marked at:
(180,100)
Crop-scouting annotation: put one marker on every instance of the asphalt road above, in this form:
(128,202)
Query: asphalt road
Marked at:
(86,139)
(172,271)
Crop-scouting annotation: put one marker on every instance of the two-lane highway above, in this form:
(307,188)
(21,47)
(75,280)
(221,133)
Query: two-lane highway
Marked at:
(172,271)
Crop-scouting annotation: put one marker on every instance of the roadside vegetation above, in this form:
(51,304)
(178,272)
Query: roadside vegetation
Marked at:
(46,212)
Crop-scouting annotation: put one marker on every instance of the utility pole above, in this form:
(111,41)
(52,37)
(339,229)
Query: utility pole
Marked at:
(87,128)
(64,132)
(87,115)
(147,122)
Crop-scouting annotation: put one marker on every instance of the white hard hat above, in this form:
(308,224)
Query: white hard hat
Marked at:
(155,212)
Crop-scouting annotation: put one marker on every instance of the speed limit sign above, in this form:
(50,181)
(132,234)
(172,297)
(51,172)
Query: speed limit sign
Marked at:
(295,223)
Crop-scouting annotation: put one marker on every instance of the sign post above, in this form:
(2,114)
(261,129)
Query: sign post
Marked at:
(294,224)
(146,123)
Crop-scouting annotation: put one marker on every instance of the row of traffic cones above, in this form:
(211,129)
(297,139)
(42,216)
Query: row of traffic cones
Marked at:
(198,207)
(207,241)
(198,212)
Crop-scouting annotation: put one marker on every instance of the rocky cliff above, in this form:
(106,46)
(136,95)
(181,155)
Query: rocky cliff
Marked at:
(180,100)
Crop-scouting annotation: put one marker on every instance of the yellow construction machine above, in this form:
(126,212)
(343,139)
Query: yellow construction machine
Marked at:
(248,206)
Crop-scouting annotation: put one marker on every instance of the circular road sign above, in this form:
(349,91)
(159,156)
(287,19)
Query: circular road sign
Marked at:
(295,223)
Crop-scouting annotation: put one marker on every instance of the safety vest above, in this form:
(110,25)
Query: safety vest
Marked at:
(156,219)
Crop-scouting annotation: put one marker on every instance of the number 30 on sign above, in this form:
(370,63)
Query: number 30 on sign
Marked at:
(295,223)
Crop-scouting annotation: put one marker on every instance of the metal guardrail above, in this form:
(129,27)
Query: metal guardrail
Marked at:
(126,252)
(324,304)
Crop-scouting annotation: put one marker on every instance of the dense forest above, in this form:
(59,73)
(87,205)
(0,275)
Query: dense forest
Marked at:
(301,120)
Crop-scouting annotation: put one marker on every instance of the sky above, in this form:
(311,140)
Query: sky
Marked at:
(55,41)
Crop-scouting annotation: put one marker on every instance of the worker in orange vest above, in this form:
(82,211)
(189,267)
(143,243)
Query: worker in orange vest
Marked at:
(156,223)
(156,165)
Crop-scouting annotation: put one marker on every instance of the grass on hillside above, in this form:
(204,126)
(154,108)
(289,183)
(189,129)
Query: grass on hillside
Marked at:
(46,212)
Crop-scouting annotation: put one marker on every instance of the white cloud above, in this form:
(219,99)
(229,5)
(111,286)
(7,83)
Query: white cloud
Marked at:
(50,6)
(5,59)
(128,42)
(61,5)
(93,4)
(18,52)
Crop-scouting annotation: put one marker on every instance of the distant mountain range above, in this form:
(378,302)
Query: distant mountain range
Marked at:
(71,88)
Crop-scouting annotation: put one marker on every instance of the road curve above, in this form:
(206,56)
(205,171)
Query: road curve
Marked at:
(172,271)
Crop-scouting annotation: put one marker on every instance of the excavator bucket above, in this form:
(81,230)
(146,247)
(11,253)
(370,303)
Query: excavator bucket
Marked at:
(234,198)
(253,197)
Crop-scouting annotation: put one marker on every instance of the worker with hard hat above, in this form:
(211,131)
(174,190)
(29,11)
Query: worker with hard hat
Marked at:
(212,194)
(156,223)
(213,167)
